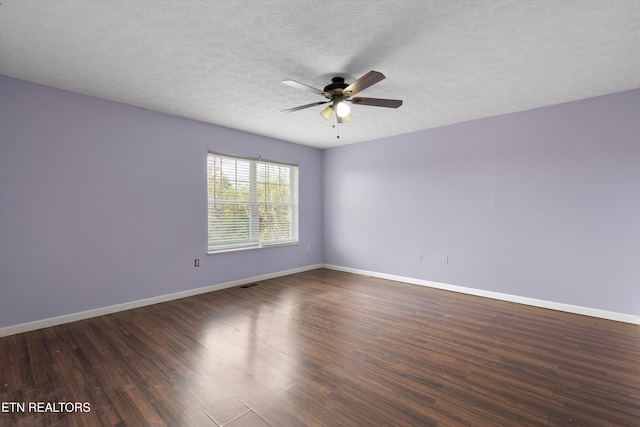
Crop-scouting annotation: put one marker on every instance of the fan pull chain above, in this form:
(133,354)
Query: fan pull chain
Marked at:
(335,124)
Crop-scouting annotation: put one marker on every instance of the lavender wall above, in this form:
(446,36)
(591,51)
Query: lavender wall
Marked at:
(103,203)
(542,204)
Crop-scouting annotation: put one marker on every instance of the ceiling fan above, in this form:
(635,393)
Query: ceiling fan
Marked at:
(338,93)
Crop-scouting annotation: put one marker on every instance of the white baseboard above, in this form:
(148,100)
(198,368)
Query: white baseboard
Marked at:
(67,318)
(586,311)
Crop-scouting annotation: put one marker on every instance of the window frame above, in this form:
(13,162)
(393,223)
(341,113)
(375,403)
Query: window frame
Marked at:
(253,205)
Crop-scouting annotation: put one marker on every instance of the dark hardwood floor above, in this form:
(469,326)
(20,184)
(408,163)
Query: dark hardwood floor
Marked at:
(325,348)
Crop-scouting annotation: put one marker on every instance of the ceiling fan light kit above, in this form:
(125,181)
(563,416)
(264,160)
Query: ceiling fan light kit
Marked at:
(342,109)
(338,93)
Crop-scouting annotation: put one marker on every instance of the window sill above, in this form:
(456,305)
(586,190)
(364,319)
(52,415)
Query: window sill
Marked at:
(274,245)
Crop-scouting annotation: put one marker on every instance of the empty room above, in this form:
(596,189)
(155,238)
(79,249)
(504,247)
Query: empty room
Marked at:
(279,213)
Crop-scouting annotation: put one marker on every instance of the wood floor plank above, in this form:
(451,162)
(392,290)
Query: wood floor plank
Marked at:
(326,348)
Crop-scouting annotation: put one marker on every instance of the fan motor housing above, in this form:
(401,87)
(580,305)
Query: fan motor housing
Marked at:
(336,86)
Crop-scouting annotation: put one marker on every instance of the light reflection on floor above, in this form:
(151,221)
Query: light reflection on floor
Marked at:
(244,351)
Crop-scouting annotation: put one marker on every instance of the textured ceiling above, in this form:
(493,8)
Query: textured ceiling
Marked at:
(222,62)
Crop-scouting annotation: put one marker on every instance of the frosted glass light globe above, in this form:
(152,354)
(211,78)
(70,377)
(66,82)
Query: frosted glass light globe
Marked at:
(342,109)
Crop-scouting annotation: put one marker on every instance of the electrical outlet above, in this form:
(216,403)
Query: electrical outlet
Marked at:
(419,257)
(196,263)
(445,259)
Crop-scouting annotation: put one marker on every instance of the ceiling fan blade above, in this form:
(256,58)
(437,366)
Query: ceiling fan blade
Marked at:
(302,107)
(344,119)
(377,102)
(326,113)
(369,79)
(308,88)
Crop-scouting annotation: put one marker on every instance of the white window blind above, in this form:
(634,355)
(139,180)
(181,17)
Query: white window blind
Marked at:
(251,203)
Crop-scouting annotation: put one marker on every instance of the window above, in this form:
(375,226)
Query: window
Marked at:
(252,203)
